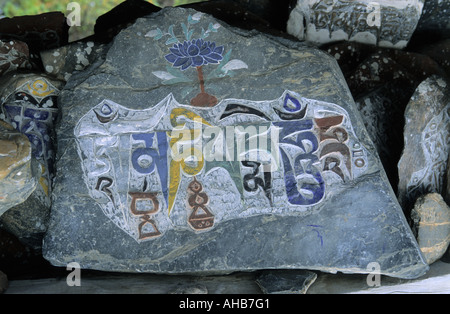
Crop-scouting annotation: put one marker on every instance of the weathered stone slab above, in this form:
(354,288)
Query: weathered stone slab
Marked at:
(382,23)
(431,224)
(16,177)
(422,166)
(29,103)
(158,169)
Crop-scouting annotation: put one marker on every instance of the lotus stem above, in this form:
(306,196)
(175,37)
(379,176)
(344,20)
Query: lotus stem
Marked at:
(200,78)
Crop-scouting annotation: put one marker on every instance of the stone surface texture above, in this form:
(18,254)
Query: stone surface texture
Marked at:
(62,62)
(124,201)
(431,217)
(422,166)
(14,55)
(286,281)
(16,176)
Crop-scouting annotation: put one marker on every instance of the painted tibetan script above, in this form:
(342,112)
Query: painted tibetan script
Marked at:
(32,110)
(179,166)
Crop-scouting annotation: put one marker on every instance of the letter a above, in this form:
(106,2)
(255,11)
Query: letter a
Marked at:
(373,279)
(73,279)
(74,17)
(374,17)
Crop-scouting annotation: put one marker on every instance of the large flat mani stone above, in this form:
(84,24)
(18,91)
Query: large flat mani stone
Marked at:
(194,147)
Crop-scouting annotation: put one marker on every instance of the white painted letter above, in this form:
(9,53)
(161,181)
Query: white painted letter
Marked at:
(74,17)
(373,279)
(74,278)
(374,17)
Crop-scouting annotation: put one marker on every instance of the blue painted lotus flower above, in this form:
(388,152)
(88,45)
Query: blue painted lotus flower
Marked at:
(194,53)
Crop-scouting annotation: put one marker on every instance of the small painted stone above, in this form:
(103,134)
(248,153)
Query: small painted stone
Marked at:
(16,177)
(431,224)
(422,166)
(384,24)
(29,103)
(273,169)
(13,55)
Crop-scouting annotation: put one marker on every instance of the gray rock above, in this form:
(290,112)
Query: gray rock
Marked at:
(422,166)
(62,62)
(285,281)
(123,201)
(431,218)
(385,24)
(28,102)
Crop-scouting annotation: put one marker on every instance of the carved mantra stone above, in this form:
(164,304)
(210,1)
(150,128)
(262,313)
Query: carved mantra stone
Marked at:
(382,23)
(29,103)
(223,151)
(422,166)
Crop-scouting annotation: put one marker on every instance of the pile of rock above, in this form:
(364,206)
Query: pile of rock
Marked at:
(204,143)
